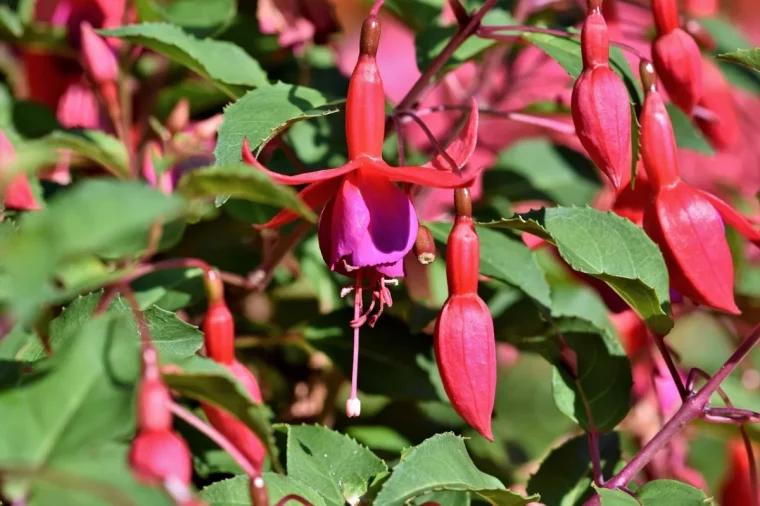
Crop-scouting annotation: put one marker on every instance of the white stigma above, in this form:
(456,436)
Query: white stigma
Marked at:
(353,407)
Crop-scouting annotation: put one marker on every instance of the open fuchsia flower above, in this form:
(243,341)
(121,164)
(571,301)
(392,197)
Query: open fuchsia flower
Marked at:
(676,57)
(368,224)
(685,221)
(600,103)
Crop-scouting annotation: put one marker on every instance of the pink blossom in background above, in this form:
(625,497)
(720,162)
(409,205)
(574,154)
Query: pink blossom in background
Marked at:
(295,21)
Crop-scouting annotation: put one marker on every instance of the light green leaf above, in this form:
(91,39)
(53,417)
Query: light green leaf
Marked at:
(670,493)
(325,460)
(499,254)
(749,58)
(565,476)
(235,491)
(94,145)
(616,498)
(608,247)
(729,38)
(262,114)
(442,463)
(226,64)
(200,17)
(241,181)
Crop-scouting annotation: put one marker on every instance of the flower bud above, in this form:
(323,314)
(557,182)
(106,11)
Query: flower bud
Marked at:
(179,117)
(424,246)
(219,333)
(158,456)
(659,152)
(679,64)
(99,59)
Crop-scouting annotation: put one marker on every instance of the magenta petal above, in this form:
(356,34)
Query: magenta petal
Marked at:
(394,270)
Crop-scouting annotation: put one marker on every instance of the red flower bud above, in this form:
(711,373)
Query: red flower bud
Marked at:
(737,486)
(158,456)
(679,64)
(659,152)
(365,103)
(219,333)
(724,132)
(424,246)
(465,350)
(233,429)
(99,59)
(600,106)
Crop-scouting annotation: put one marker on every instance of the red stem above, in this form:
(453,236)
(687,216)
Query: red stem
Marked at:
(692,408)
(293,497)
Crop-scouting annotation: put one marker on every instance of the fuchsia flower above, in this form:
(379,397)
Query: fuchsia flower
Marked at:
(368,224)
(684,221)
(18,193)
(295,21)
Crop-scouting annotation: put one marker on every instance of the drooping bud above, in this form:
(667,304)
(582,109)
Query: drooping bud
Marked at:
(365,103)
(736,487)
(424,246)
(18,192)
(659,152)
(99,59)
(679,64)
(219,325)
(179,117)
(665,15)
(600,105)
(723,130)
(465,350)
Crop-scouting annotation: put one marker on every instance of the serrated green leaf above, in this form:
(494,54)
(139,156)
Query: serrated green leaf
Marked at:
(565,475)
(670,493)
(442,463)
(390,354)
(262,114)
(206,381)
(325,460)
(729,38)
(241,181)
(749,58)
(200,17)
(174,338)
(61,412)
(225,64)
(688,136)
(616,498)
(608,247)
(235,491)
(499,254)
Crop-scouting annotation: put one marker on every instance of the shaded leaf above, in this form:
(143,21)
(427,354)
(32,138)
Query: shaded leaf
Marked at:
(422,471)
(235,491)
(670,493)
(608,247)
(200,17)
(688,136)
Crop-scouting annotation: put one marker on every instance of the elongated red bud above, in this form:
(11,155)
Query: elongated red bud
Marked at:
(600,106)
(233,429)
(724,131)
(424,246)
(679,64)
(365,103)
(691,236)
(219,333)
(659,152)
(665,15)
(160,456)
(463,249)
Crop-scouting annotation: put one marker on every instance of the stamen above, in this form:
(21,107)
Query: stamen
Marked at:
(353,405)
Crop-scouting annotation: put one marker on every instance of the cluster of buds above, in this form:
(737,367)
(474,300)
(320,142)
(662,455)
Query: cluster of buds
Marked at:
(219,340)
(465,350)
(600,105)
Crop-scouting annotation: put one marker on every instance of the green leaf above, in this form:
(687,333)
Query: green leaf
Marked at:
(326,460)
(78,222)
(241,181)
(565,178)
(616,498)
(61,411)
(206,381)
(9,22)
(262,114)
(235,491)
(379,437)
(749,58)
(94,145)
(607,247)
(565,476)
(390,355)
(499,254)
(442,463)
(200,17)
(603,387)
(173,338)
(729,38)
(417,14)
(433,38)
(225,64)
(688,136)
(670,493)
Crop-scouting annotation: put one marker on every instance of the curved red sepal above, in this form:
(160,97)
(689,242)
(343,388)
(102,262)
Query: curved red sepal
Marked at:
(691,236)
(463,146)
(717,97)
(466,356)
(425,176)
(158,456)
(733,218)
(313,196)
(309,177)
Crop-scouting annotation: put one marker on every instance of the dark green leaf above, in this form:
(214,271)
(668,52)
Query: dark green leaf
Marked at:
(670,493)
(607,247)
(262,114)
(422,470)
(227,65)
(326,460)
(565,476)
(616,498)
(206,381)
(241,181)
(499,255)
(688,136)
(390,355)
(235,491)
(749,58)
